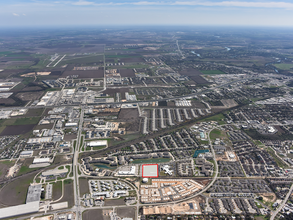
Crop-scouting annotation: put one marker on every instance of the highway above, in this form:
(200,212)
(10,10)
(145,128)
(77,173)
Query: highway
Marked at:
(75,167)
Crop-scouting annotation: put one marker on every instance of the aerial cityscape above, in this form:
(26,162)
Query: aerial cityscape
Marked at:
(177,122)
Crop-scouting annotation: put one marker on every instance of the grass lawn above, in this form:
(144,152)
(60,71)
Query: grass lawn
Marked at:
(95,148)
(212,72)
(284,66)
(216,134)
(57,190)
(26,169)
(218,118)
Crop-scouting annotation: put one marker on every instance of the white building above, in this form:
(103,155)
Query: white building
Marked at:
(97,143)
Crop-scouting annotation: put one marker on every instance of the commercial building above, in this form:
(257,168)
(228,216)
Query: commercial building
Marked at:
(150,170)
(128,172)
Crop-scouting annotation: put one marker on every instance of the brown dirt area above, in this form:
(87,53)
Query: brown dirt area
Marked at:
(114,202)
(6,101)
(112,92)
(4,167)
(17,129)
(69,137)
(128,114)
(128,212)
(84,73)
(83,186)
(40,127)
(129,118)
(126,72)
(68,195)
(29,96)
(229,103)
(268,197)
(194,75)
(95,214)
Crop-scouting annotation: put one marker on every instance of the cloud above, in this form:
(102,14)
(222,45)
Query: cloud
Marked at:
(284,5)
(15,14)
(82,2)
(24,14)
(238,4)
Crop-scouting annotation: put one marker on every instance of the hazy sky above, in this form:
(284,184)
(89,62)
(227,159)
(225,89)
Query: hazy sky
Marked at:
(146,12)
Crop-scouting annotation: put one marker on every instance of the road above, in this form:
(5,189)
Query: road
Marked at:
(179,50)
(282,204)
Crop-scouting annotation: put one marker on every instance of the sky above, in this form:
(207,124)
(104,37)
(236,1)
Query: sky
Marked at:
(15,13)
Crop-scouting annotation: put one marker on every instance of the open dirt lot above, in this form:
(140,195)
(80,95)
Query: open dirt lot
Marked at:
(112,92)
(95,214)
(8,72)
(29,96)
(6,101)
(69,137)
(126,72)
(114,202)
(68,194)
(4,167)
(130,119)
(17,129)
(128,212)
(84,73)
(128,114)
(194,75)
(83,186)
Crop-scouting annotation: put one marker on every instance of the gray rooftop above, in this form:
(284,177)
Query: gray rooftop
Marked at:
(34,193)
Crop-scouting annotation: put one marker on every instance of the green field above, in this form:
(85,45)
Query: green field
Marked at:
(26,169)
(284,66)
(216,134)
(218,118)
(212,72)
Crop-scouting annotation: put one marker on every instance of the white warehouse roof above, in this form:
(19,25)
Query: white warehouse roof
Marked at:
(19,210)
(97,143)
(41,160)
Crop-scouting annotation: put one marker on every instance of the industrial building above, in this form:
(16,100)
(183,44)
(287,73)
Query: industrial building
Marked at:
(23,209)
(97,143)
(41,160)
(34,193)
(28,153)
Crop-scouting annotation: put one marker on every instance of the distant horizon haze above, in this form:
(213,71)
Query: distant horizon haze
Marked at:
(48,13)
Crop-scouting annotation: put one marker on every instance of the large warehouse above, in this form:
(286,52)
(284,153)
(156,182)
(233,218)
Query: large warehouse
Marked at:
(150,171)
(97,143)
